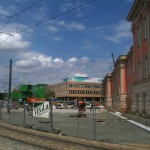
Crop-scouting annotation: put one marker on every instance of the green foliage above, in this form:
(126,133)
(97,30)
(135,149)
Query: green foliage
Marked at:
(49,93)
(3,96)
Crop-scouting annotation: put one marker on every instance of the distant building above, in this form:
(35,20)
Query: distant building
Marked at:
(130,80)
(75,87)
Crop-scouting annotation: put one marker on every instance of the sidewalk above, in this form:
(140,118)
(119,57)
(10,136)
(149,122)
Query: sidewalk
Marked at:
(142,120)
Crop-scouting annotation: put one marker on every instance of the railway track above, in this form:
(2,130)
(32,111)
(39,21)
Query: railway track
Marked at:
(47,141)
(43,140)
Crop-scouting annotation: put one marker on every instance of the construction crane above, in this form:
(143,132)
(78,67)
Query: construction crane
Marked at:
(113,58)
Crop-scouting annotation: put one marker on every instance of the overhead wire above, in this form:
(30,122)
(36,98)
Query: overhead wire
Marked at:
(44,21)
(10,17)
(5,16)
(5,40)
(61,14)
(27,8)
(5,23)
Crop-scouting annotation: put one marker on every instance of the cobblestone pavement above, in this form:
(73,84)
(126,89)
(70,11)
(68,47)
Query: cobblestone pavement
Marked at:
(14,137)
(9,144)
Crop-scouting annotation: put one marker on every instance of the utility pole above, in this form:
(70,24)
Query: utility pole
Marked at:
(9,89)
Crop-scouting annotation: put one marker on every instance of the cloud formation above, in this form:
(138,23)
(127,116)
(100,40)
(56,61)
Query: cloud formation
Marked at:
(49,70)
(115,32)
(56,25)
(70,5)
(13,42)
(120,31)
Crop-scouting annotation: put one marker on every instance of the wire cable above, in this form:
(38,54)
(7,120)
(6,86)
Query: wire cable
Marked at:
(5,16)
(10,17)
(6,33)
(61,14)
(5,23)
(44,21)
(5,40)
(26,8)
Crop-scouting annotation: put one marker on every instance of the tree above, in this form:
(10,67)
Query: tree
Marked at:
(1,96)
(49,93)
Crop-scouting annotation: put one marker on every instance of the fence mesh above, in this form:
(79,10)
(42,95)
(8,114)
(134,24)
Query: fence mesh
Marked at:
(97,124)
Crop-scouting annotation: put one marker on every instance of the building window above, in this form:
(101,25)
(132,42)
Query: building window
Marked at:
(146,67)
(138,36)
(139,70)
(145,28)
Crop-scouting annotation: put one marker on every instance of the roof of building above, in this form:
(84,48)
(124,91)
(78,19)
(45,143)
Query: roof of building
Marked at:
(83,79)
(136,8)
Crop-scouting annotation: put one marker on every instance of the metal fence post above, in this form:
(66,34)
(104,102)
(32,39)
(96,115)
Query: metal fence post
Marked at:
(51,117)
(94,123)
(24,114)
(78,129)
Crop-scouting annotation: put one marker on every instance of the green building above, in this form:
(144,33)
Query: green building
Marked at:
(38,91)
(29,91)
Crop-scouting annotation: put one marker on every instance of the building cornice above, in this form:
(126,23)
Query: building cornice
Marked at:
(137,8)
(133,10)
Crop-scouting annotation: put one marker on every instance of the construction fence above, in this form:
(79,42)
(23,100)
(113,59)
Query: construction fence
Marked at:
(94,124)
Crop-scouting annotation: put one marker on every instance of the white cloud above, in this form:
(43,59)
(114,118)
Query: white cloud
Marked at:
(72,60)
(50,68)
(76,26)
(14,42)
(27,64)
(85,59)
(53,29)
(38,61)
(38,14)
(33,68)
(58,61)
(61,23)
(78,12)
(90,46)
(3,11)
(115,32)
(12,27)
(57,38)
(69,25)
(121,31)
(81,75)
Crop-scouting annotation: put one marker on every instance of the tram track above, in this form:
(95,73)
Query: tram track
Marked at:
(48,141)
(45,140)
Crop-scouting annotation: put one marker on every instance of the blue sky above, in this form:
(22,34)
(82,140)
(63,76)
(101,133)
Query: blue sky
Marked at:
(77,43)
